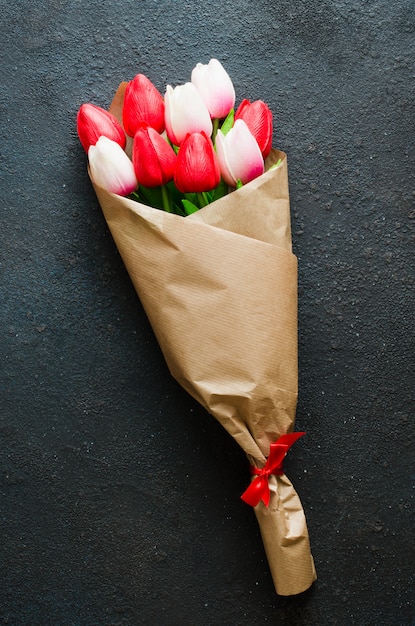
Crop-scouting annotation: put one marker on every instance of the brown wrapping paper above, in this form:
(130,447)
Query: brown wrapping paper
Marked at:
(220,290)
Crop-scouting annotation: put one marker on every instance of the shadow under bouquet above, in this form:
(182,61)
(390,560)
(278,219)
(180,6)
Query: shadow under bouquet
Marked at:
(197,202)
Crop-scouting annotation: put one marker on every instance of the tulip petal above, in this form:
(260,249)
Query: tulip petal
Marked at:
(94,122)
(258,117)
(111,168)
(143,106)
(154,159)
(215,86)
(185,112)
(223,160)
(197,167)
(239,155)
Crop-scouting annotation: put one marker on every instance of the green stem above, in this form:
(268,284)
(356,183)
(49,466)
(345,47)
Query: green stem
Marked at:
(135,196)
(166,198)
(215,129)
(202,199)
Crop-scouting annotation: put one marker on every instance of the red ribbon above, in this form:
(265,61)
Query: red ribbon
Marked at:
(259,488)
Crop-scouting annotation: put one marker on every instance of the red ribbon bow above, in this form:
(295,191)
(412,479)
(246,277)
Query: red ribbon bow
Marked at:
(259,488)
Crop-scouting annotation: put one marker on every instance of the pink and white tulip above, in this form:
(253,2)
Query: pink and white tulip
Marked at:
(239,155)
(111,168)
(215,86)
(185,112)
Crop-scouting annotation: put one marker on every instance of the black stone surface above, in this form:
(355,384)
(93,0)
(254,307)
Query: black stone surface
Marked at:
(119,495)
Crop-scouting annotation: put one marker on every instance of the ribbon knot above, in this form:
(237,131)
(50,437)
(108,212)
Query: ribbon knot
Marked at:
(259,488)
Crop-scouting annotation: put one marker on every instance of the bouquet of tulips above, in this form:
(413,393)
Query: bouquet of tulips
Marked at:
(197,202)
(188,148)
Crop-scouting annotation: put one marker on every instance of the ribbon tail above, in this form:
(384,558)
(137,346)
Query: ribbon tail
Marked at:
(258,490)
(277,454)
(290,438)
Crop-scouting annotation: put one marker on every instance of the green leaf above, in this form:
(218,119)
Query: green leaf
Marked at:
(189,207)
(228,122)
(191,197)
(134,196)
(220,191)
(145,196)
(178,210)
(239,184)
(151,196)
(277,164)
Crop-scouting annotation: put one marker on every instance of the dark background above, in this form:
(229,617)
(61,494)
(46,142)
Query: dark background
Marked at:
(119,495)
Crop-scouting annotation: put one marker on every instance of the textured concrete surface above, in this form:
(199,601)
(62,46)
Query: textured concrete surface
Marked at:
(119,496)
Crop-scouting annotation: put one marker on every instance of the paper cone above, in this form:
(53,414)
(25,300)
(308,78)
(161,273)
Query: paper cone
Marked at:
(220,290)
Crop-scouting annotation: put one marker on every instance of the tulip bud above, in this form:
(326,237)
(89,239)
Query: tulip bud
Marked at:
(197,167)
(94,122)
(143,106)
(215,86)
(154,159)
(111,168)
(239,155)
(185,113)
(258,118)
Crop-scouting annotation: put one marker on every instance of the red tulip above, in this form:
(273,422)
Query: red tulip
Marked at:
(154,159)
(258,117)
(197,167)
(143,106)
(94,122)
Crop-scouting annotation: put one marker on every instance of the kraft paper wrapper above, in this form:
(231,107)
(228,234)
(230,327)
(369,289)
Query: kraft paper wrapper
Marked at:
(220,290)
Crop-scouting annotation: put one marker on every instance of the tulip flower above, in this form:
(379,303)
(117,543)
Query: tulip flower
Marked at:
(215,86)
(185,113)
(154,159)
(111,168)
(94,122)
(197,167)
(240,158)
(143,106)
(258,118)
